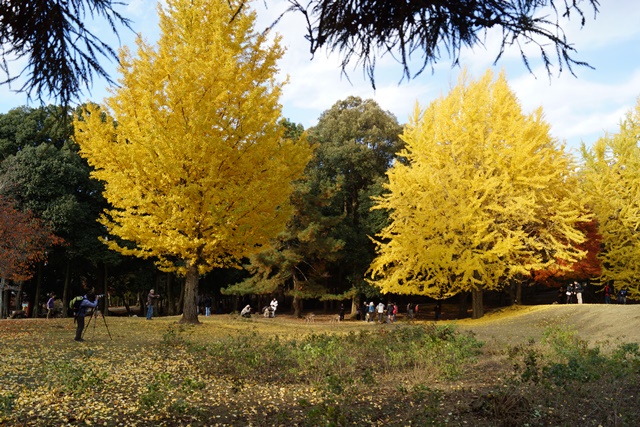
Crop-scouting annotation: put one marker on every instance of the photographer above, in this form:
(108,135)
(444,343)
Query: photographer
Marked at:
(88,301)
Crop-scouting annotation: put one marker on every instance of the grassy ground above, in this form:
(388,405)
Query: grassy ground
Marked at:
(524,366)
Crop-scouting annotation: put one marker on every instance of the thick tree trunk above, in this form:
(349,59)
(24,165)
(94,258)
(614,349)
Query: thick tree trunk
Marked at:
(18,299)
(190,305)
(297,302)
(477,306)
(142,304)
(2,297)
(355,303)
(512,292)
(297,307)
(462,307)
(35,312)
(65,290)
(105,300)
(171,303)
(180,304)
(159,280)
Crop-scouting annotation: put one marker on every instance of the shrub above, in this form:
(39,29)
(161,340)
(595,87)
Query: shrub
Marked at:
(338,361)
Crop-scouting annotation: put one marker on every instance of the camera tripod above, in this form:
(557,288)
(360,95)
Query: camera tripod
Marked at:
(94,313)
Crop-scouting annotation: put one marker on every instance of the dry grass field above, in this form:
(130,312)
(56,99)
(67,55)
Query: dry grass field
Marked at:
(553,365)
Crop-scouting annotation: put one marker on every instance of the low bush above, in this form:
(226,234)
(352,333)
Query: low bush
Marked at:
(354,358)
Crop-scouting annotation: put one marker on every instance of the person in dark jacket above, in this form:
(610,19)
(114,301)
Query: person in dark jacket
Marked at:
(151,302)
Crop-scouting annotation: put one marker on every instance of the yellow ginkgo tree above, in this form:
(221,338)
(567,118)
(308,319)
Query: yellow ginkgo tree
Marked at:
(195,163)
(483,194)
(611,179)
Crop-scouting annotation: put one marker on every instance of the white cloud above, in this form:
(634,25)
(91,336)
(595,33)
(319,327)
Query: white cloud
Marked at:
(579,109)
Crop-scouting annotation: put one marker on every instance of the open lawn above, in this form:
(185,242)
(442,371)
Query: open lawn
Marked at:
(553,365)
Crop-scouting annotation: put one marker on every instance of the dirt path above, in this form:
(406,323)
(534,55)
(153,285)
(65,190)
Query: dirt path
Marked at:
(593,322)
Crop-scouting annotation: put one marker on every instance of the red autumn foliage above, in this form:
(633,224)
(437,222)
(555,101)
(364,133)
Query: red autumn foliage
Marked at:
(582,270)
(24,240)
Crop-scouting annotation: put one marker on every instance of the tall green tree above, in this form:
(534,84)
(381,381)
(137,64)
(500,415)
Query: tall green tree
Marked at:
(484,195)
(324,251)
(194,162)
(357,143)
(43,172)
(298,259)
(25,126)
(611,180)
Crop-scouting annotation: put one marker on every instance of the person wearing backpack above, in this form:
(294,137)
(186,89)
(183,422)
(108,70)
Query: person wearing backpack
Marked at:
(622,296)
(88,301)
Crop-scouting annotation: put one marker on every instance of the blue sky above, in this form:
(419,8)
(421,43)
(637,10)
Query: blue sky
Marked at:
(579,109)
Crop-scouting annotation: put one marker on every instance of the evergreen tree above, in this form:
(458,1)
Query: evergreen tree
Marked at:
(44,174)
(298,258)
(357,143)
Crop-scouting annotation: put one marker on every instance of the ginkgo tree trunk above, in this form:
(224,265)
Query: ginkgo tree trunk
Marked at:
(484,194)
(195,164)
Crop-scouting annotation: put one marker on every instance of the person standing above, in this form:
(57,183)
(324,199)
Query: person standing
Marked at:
(577,288)
(207,306)
(88,301)
(25,304)
(380,312)
(390,312)
(370,312)
(622,296)
(341,312)
(51,305)
(607,294)
(151,301)
(561,295)
(570,293)
(274,306)
(410,310)
(438,311)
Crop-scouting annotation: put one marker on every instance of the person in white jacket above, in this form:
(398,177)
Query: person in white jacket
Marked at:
(380,310)
(246,312)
